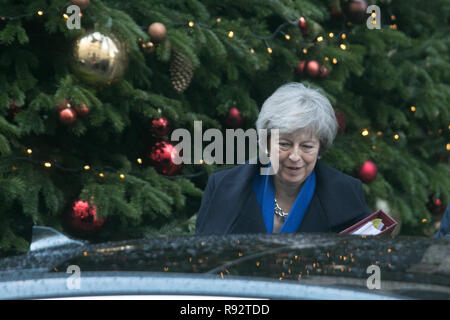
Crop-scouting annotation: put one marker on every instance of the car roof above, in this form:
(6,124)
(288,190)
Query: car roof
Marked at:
(313,259)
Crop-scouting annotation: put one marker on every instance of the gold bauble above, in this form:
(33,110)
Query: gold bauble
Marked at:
(157,31)
(99,58)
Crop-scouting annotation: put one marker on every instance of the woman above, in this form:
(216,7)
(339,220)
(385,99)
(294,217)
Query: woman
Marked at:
(444,229)
(304,195)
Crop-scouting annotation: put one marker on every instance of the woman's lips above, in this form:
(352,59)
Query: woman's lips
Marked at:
(294,169)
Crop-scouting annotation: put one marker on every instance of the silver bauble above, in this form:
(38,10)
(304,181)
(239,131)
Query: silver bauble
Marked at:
(99,58)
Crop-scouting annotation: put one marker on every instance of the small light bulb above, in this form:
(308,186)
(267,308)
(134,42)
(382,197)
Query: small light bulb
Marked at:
(288,37)
(47,164)
(230,34)
(343,46)
(29,151)
(396,137)
(218,20)
(331,35)
(252,51)
(343,36)
(305,51)
(191,24)
(269,50)
(65,16)
(319,39)
(448,147)
(327,59)
(101,175)
(40,13)
(365,132)
(335,61)
(122,176)
(413,109)
(139,160)
(86,167)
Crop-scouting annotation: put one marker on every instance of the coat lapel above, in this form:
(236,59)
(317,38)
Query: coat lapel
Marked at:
(315,219)
(250,218)
(247,214)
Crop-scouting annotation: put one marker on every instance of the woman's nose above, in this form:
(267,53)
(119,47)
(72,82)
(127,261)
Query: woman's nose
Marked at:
(295,155)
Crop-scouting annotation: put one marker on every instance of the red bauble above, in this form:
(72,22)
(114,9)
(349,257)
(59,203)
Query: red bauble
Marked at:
(303,26)
(83,217)
(312,69)
(14,109)
(341,120)
(323,72)
(356,10)
(301,67)
(82,110)
(162,155)
(160,128)
(368,172)
(68,116)
(436,206)
(62,104)
(234,119)
(83,4)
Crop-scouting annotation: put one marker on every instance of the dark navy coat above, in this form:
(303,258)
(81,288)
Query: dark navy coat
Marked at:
(229,204)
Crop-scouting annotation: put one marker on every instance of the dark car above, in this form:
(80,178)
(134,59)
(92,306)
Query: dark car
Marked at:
(267,266)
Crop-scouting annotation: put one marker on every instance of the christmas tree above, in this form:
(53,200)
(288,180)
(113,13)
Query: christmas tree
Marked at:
(90,92)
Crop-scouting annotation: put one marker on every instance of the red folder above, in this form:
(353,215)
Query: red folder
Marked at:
(389,223)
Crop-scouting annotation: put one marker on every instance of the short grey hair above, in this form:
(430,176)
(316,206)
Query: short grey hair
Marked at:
(295,107)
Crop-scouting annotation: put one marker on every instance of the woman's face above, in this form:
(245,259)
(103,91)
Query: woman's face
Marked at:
(297,154)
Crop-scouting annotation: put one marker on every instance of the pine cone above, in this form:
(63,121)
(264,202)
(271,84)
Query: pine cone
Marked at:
(181,71)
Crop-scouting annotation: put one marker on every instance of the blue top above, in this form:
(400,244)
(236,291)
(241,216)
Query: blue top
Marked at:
(265,194)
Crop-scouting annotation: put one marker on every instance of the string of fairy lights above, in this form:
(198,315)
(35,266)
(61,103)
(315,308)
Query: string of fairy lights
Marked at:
(191,24)
(101,172)
(232,34)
